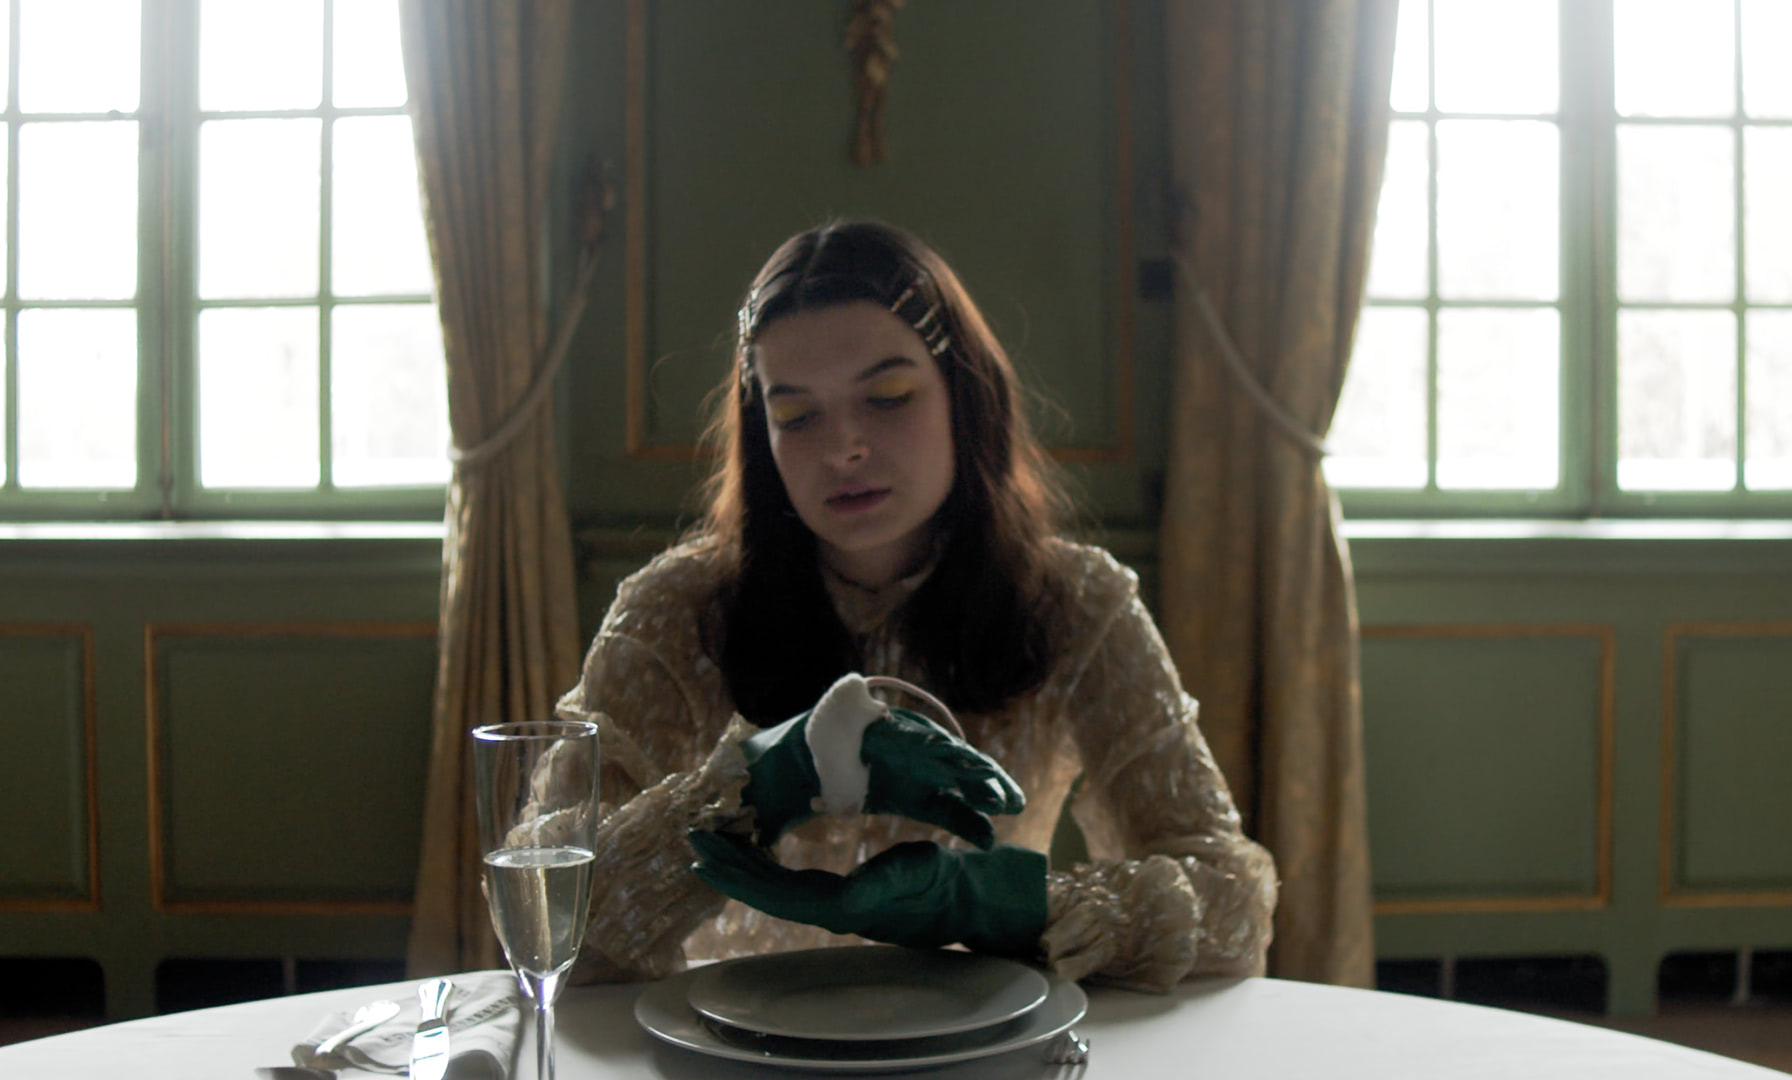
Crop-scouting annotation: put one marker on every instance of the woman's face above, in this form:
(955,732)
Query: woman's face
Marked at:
(860,422)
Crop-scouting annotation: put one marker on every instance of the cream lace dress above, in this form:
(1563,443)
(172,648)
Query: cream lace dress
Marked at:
(1174,887)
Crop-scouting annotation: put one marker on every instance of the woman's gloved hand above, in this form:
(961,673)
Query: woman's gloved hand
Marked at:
(877,760)
(917,894)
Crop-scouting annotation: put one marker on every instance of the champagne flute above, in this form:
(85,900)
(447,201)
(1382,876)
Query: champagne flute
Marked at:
(536,786)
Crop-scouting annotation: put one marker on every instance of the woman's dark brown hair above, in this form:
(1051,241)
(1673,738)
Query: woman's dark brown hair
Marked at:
(983,623)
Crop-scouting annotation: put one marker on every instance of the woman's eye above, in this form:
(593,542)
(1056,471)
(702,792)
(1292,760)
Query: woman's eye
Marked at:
(794,421)
(891,401)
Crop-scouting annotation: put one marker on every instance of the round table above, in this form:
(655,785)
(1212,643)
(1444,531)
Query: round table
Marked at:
(1220,1029)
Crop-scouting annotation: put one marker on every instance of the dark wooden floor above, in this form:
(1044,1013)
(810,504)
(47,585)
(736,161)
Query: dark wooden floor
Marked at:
(1760,1033)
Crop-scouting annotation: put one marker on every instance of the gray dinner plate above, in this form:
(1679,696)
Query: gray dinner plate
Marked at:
(875,993)
(664,1010)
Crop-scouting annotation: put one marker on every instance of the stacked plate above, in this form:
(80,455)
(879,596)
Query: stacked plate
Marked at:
(860,1008)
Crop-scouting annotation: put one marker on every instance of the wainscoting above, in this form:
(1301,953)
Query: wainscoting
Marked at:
(1576,749)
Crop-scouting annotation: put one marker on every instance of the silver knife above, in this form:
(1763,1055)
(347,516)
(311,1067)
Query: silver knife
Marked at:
(429,1047)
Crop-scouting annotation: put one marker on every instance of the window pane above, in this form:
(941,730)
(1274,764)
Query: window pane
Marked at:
(1676,213)
(1498,188)
(1378,436)
(388,396)
(78,210)
(1496,57)
(1767,213)
(1769,463)
(78,398)
(1410,91)
(258,55)
(1397,263)
(78,56)
(258,208)
(258,397)
(1676,400)
(1498,391)
(1766,77)
(377,244)
(1674,57)
(367,68)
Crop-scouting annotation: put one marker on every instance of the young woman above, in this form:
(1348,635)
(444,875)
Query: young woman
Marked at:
(880,507)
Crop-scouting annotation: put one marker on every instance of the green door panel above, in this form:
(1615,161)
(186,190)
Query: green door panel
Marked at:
(750,113)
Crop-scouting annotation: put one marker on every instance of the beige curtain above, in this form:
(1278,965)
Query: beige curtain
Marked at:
(485,84)
(1278,114)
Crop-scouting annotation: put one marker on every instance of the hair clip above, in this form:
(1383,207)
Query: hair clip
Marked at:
(745,317)
(933,333)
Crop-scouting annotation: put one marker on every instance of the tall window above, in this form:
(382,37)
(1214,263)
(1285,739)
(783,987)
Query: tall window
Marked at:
(217,288)
(1580,297)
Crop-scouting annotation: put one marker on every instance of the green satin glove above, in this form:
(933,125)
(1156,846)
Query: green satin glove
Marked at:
(915,769)
(781,781)
(917,894)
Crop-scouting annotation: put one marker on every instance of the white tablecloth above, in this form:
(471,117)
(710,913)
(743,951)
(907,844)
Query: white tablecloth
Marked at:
(1220,1030)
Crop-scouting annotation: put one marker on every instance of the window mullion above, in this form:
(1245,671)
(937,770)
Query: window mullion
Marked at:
(1593,27)
(1584,168)
(155,356)
(1431,297)
(326,469)
(9,367)
(178,310)
(1741,308)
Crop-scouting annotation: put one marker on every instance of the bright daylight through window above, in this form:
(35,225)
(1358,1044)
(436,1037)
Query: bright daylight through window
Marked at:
(217,288)
(1580,294)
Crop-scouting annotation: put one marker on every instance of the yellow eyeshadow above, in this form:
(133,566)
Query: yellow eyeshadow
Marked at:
(785,411)
(893,386)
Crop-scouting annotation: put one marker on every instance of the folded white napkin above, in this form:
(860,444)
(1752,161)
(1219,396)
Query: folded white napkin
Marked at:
(484,1021)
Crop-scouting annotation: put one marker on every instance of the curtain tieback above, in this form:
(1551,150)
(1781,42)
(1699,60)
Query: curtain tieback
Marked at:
(519,417)
(1253,389)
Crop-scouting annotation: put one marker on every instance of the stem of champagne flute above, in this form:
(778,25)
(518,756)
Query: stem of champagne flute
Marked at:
(542,989)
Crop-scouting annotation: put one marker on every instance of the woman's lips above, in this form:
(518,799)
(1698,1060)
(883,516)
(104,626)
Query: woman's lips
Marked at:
(856,502)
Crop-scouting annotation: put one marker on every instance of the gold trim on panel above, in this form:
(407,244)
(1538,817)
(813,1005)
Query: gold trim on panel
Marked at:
(635,439)
(153,754)
(1480,905)
(1704,898)
(1601,897)
(90,752)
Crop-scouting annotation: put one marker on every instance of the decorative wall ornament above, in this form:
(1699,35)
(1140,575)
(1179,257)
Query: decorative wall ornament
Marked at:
(871,39)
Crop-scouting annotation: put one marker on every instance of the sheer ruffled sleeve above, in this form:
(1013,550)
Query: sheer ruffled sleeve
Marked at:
(664,769)
(1174,887)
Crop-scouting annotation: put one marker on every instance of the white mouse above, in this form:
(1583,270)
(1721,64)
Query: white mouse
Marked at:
(835,733)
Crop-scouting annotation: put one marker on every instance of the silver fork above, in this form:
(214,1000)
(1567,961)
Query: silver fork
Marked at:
(366,1018)
(1068,1049)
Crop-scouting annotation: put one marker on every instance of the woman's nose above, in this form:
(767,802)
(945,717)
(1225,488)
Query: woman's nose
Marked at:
(848,445)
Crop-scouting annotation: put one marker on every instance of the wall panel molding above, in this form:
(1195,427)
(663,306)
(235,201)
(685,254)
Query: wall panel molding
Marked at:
(158,638)
(1672,728)
(1605,733)
(83,634)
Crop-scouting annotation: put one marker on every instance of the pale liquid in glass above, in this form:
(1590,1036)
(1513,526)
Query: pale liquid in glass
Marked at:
(538,897)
